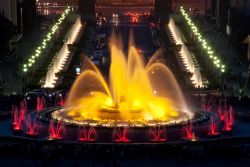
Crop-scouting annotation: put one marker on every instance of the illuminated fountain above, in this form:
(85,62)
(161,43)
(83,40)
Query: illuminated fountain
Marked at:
(188,133)
(206,106)
(174,32)
(19,116)
(228,120)
(64,54)
(60,100)
(17,119)
(221,113)
(157,134)
(40,103)
(31,127)
(136,94)
(213,128)
(87,134)
(187,58)
(56,131)
(120,135)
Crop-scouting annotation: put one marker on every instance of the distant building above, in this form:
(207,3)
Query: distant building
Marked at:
(108,7)
(58,2)
(86,7)
(229,13)
(195,7)
(163,7)
(8,9)
(241,5)
(21,13)
(27,8)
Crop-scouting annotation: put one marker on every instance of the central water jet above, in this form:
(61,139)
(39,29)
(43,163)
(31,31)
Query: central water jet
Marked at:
(136,94)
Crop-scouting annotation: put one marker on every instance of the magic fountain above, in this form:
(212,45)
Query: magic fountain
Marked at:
(135,95)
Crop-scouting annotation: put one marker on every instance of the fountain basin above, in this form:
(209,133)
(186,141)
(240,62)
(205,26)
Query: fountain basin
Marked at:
(114,119)
(57,115)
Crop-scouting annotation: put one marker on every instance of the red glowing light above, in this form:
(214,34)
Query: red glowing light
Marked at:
(188,131)
(231,116)
(206,106)
(213,128)
(56,133)
(226,116)
(221,113)
(31,126)
(60,101)
(40,105)
(228,120)
(120,135)
(157,134)
(18,116)
(88,135)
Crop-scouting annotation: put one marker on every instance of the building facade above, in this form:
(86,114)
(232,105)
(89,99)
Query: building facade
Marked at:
(8,9)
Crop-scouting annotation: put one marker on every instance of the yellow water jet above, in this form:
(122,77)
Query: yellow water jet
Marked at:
(137,93)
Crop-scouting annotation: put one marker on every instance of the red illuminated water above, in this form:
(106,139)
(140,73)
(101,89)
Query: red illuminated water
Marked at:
(231,116)
(158,134)
(213,128)
(226,116)
(228,120)
(31,126)
(17,118)
(56,132)
(59,101)
(40,104)
(206,106)
(120,135)
(87,134)
(221,113)
(188,132)
(19,115)
(23,108)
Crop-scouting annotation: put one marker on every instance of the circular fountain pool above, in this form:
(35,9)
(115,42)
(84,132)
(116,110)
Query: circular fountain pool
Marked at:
(137,96)
(115,119)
